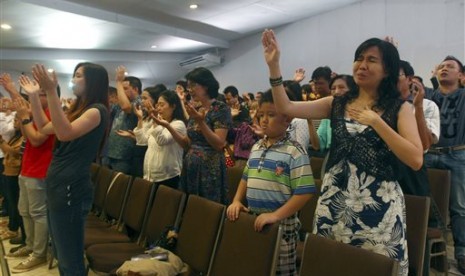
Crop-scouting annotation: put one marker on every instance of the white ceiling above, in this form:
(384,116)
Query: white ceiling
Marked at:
(61,33)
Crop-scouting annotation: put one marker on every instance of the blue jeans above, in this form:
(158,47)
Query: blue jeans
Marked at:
(455,162)
(66,226)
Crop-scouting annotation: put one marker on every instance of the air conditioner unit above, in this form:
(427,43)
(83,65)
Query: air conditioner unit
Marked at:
(205,60)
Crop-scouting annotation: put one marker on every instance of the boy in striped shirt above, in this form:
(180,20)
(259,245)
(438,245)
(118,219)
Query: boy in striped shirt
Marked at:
(277,181)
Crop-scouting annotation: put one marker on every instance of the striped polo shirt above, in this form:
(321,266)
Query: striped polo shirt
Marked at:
(276,173)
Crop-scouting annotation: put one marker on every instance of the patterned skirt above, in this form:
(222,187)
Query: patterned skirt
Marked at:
(358,209)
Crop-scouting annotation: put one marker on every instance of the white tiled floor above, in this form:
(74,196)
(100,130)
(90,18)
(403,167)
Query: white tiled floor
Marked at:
(39,271)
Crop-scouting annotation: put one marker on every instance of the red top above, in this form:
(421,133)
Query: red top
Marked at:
(37,159)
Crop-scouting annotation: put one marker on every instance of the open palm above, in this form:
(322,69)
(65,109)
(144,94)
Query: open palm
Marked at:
(48,82)
(30,86)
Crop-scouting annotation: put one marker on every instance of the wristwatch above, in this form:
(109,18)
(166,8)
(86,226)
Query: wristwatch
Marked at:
(26,121)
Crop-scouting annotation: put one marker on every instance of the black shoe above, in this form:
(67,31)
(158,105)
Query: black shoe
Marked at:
(14,249)
(461,264)
(17,240)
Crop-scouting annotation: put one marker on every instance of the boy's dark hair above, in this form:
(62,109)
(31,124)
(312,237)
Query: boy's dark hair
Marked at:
(461,67)
(267,97)
(407,68)
(322,72)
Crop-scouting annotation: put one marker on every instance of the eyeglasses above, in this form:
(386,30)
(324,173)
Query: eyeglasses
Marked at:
(401,74)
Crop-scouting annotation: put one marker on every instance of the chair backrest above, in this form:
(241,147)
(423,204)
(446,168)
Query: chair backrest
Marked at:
(316,163)
(323,256)
(94,168)
(138,204)
(200,228)
(234,176)
(439,182)
(417,211)
(116,196)
(102,182)
(307,213)
(166,211)
(243,251)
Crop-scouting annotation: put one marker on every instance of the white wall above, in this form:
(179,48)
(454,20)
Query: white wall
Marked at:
(426,30)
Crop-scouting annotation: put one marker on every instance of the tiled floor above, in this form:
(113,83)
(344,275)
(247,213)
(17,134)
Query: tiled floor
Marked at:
(43,270)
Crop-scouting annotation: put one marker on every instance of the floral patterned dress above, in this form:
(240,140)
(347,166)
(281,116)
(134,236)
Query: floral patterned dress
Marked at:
(204,168)
(361,202)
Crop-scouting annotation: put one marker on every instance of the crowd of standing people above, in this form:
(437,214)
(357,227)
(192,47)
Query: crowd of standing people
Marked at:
(379,128)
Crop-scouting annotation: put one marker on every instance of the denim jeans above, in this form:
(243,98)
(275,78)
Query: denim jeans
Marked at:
(455,162)
(32,207)
(66,226)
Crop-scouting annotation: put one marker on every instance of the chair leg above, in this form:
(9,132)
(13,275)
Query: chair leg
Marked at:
(427,258)
(52,254)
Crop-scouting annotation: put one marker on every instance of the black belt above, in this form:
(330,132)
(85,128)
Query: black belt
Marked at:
(441,150)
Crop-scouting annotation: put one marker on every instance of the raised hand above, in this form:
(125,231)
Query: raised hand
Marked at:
(194,114)
(7,82)
(23,108)
(120,73)
(30,86)
(48,82)
(257,130)
(138,111)
(160,121)
(299,75)
(235,112)
(391,40)
(151,110)
(418,93)
(270,47)
(434,72)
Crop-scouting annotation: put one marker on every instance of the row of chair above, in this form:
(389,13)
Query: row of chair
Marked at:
(107,256)
(207,242)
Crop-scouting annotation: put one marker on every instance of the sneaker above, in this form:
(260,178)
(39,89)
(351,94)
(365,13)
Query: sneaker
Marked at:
(23,252)
(16,248)
(8,235)
(17,240)
(29,264)
(461,264)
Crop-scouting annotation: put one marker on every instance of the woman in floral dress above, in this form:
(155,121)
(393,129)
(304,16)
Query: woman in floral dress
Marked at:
(361,202)
(204,166)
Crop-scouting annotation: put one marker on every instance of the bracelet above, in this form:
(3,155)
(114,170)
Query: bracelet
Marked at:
(276,81)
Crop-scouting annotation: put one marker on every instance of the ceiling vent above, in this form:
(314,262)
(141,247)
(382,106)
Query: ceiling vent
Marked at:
(205,60)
